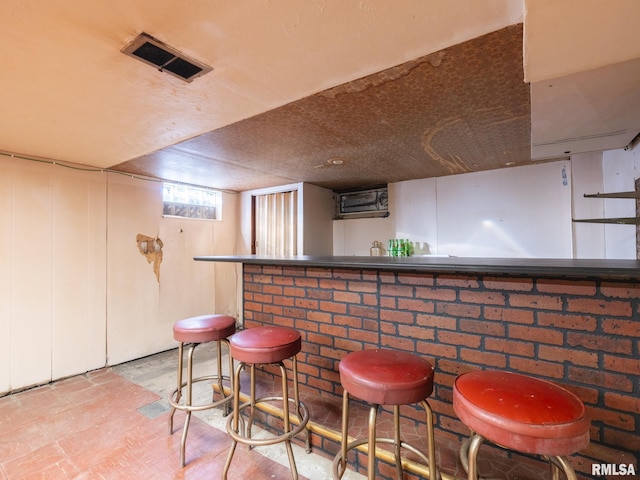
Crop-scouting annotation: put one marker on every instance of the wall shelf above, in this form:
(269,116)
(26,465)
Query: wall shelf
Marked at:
(635,195)
(618,221)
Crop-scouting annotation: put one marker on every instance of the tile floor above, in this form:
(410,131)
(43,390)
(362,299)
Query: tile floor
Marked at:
(112,424)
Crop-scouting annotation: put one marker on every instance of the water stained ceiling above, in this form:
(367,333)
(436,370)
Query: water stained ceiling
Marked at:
(339,94)
(462,109)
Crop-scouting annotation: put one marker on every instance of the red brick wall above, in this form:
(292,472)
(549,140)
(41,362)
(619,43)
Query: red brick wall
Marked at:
(583,333)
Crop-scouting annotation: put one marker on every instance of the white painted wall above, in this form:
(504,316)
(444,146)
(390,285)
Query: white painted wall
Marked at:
(587,177)
(605,172)
(317,219)
(621,168)
(515,212)
(355,236)
(416,214)
(75,293)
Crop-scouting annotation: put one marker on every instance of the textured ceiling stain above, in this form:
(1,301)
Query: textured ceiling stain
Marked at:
(463,109)
(452,164)
(383,77)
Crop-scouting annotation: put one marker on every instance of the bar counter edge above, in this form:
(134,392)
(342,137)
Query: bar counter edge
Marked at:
(603,268)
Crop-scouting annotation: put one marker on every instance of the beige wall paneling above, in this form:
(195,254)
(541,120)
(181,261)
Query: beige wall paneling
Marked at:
(31,274)
(185,290)
(134,324)
(6,269)
(79,272)
(188,287)
(140,309)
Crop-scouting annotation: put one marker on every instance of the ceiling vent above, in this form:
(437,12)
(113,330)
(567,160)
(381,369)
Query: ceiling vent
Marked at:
(166,59)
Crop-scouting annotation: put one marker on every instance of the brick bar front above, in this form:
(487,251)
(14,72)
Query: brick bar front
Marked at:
(581,331)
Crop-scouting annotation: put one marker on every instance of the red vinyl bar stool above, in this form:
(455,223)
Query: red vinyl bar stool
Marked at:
(520,413)
(385,377)
(192,332)
(261,346)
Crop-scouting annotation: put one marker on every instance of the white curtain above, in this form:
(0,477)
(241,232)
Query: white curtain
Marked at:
(277,223)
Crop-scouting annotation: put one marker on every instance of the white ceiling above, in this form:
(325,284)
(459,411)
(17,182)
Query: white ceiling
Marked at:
(69,94)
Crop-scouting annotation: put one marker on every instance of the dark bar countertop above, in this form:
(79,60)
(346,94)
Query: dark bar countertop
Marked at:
(514,266)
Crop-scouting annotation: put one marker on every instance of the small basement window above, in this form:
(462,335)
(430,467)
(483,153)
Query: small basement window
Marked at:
(191,202)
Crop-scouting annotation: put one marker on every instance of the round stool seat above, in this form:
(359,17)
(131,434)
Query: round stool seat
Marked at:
(270,344)
(386,377)
(190,333)
(204,328)
(256,346)
(521,413)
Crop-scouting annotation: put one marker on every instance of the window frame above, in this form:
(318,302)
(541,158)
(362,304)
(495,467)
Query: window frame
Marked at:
(193,202)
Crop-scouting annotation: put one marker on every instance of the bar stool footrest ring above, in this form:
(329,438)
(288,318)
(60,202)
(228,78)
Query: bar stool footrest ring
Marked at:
(303,420)
(178,405)
(475,441)
(339,461)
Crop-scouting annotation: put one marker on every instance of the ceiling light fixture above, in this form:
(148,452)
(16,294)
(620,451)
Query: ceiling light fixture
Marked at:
(165,58)
(335,161)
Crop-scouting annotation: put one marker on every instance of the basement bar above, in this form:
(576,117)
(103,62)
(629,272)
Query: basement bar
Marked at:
(573,322)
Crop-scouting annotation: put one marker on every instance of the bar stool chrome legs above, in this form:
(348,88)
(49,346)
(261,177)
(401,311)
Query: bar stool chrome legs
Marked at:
(266,345)
(192,332)
(385,377)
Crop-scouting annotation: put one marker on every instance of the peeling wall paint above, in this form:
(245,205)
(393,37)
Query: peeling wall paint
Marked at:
(151,248)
